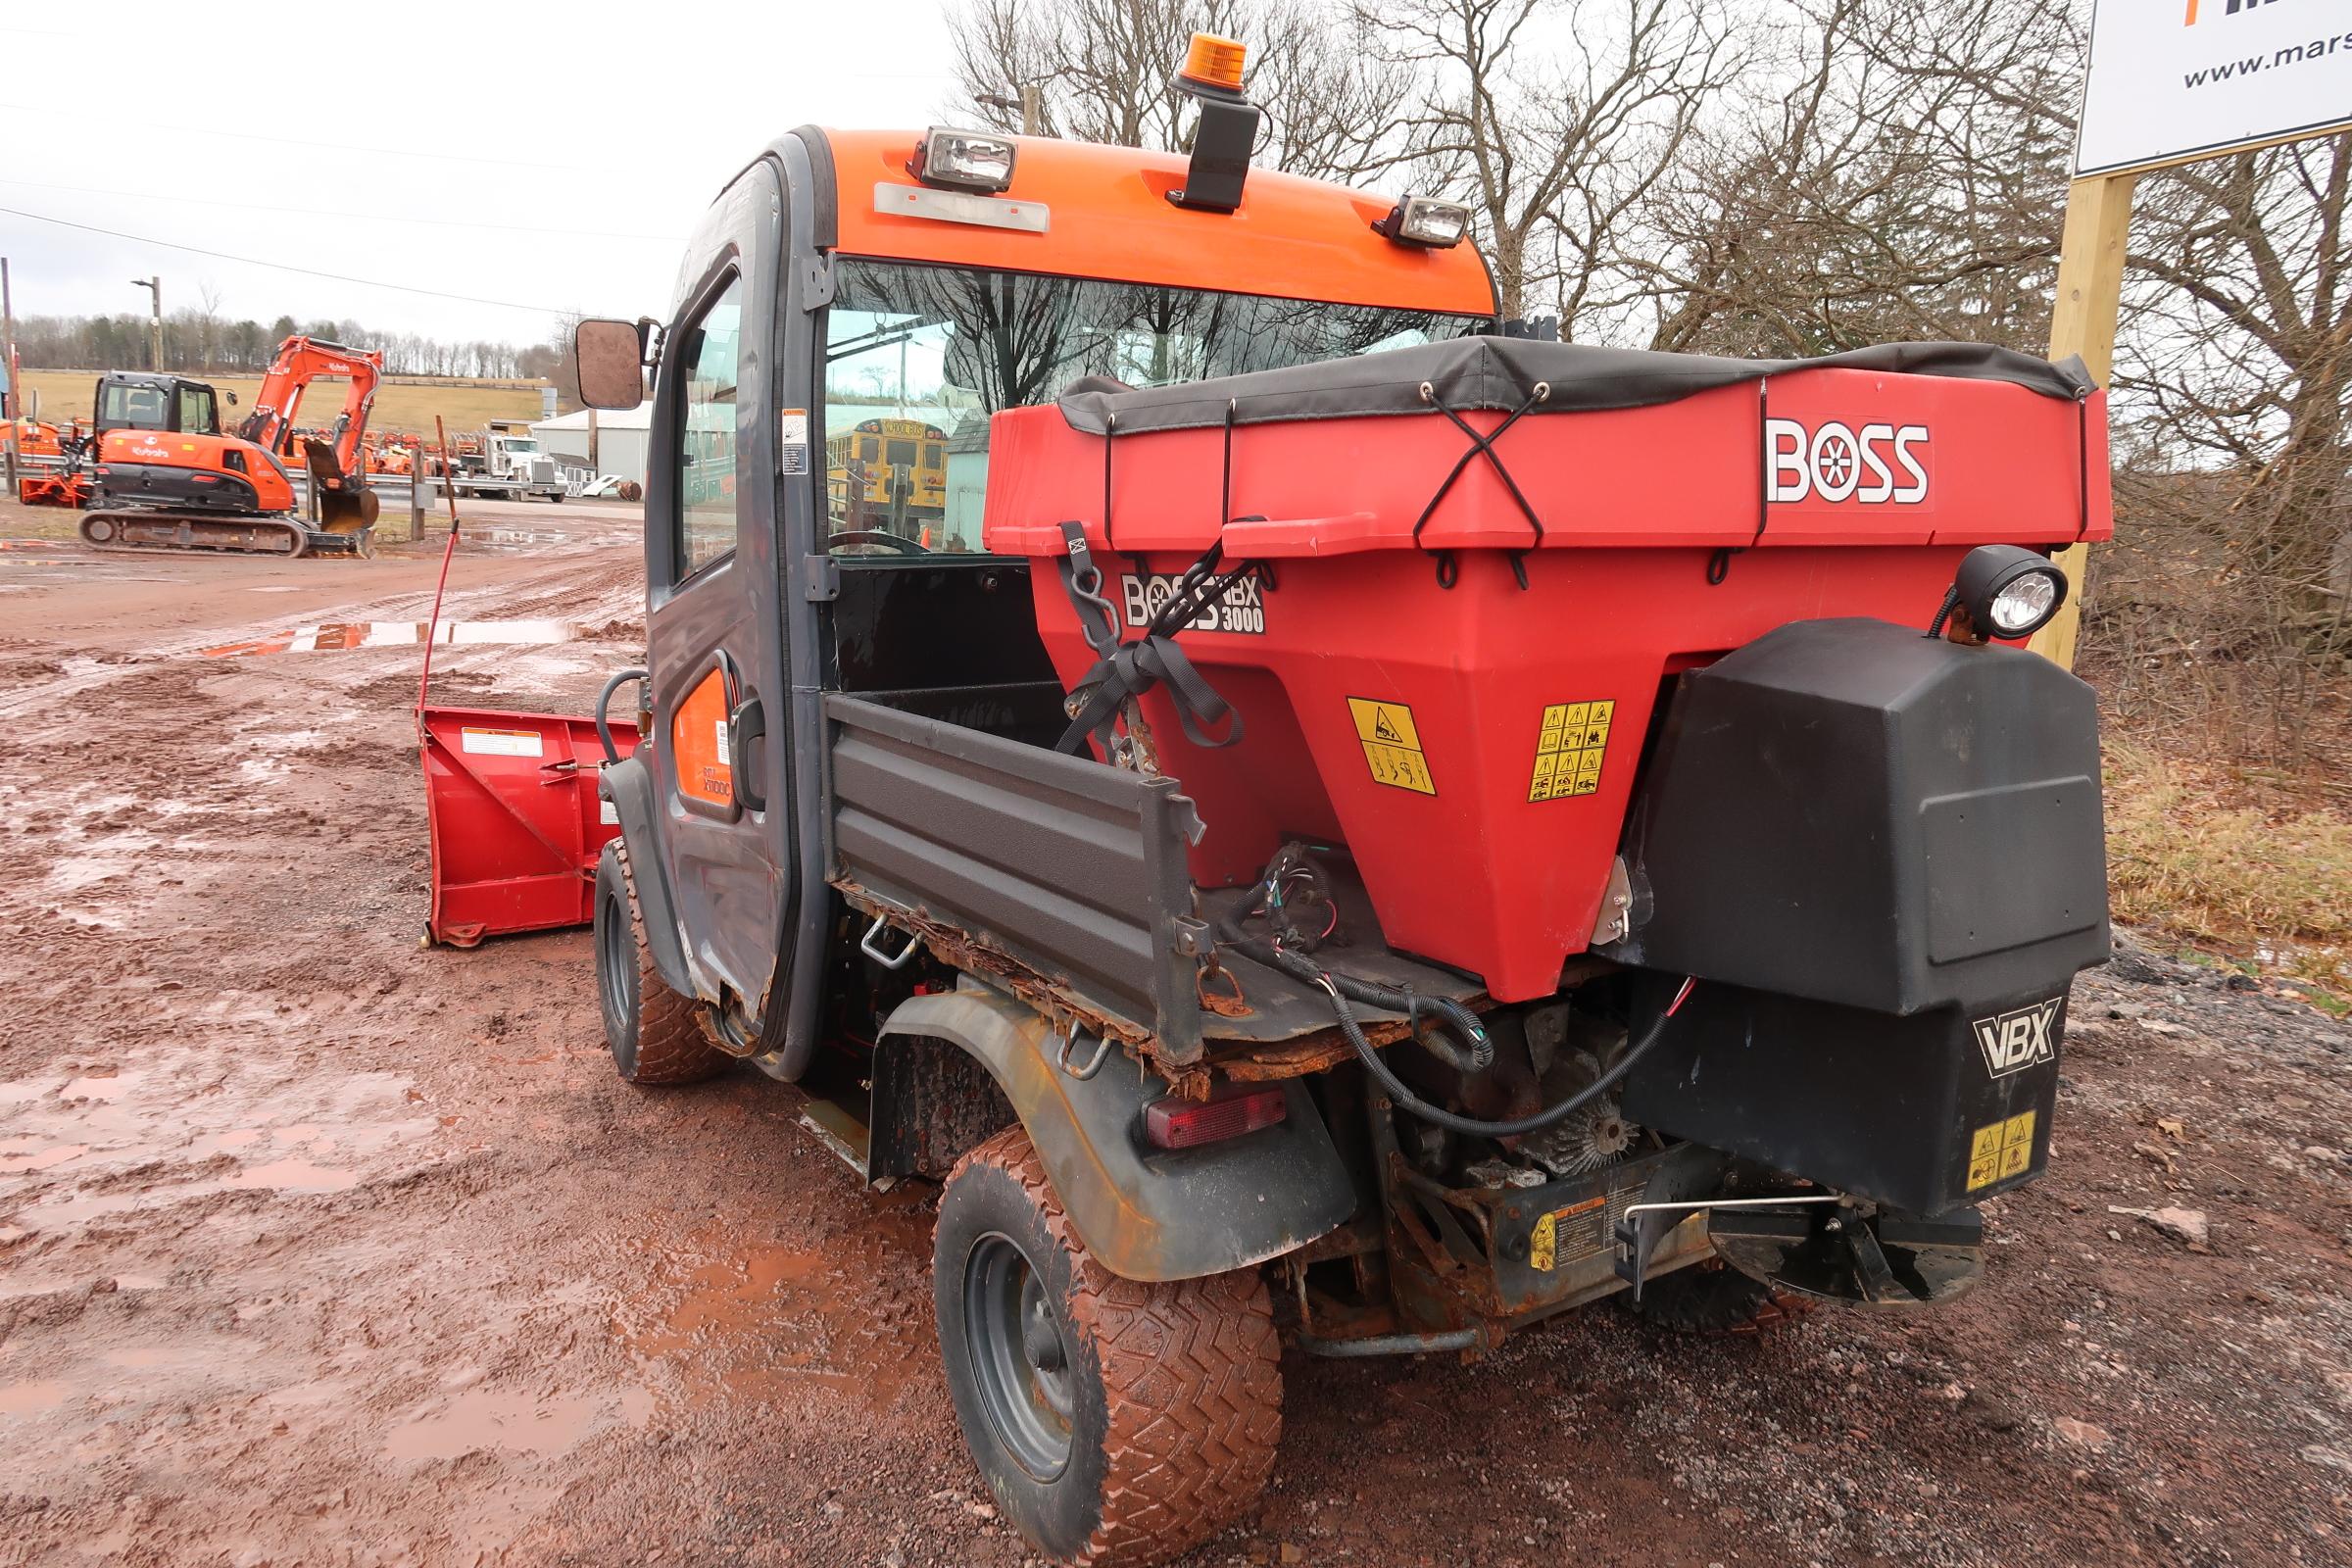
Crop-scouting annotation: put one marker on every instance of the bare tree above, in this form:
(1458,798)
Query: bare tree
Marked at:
(1898,169)
(2241,336)
(1104,69)
(1553,121)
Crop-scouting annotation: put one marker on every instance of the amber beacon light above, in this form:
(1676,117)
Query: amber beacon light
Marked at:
(1214,63)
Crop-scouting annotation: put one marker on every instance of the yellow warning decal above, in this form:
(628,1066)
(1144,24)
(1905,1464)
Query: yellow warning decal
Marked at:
(1391,745)
(2000,1150)
(1569,747)
(1543,1239)
(1544,1243)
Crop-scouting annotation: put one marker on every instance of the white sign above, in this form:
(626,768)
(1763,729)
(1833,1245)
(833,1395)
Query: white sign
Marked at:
(2176,79)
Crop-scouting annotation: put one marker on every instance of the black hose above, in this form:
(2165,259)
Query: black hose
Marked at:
(1475,1056)
(1437,1117)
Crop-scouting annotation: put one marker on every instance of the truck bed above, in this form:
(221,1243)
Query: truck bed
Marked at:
(1067,878)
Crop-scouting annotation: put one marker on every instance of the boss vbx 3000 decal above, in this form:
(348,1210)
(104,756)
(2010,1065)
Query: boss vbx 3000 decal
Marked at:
(1241,608)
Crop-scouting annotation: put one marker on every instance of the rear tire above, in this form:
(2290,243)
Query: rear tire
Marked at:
(655,1034)
(1115,1422)
(1705,1299)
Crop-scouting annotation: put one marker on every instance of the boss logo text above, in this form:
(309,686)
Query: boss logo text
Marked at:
(1882,462)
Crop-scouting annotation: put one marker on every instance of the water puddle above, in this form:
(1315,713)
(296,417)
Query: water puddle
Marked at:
(768,1322)
(26,1398)
(90,1140)
(517,1423)
(350,635)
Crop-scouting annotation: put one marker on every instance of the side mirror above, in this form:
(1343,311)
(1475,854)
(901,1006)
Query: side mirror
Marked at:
(232,398)
(610,359)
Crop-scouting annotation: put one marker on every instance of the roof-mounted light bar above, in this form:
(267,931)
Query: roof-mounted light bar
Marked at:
(1426,221)
(963,160)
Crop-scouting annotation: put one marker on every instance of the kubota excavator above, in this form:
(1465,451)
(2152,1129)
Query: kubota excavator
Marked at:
(167,479)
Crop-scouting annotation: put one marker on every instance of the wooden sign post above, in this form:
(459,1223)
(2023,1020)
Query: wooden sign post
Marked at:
(2170,83)
(2090,294)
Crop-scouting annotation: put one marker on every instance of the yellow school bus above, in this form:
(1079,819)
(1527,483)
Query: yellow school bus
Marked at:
(884,471)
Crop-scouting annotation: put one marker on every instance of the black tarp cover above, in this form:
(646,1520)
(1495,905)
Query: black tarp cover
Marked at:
(1499,373)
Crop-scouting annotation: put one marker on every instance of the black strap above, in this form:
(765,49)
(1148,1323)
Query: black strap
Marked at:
(1125,670)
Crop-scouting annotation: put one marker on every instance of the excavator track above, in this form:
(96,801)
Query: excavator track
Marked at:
(143,529)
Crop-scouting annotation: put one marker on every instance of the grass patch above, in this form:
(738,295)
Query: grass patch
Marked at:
(2185,856)
(398,405)
(37,522)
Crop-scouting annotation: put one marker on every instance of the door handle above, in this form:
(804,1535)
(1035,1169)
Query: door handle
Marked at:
(747,727)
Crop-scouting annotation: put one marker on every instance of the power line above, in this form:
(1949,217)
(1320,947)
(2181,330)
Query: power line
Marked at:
(283,266)
(314,212)
(183,128)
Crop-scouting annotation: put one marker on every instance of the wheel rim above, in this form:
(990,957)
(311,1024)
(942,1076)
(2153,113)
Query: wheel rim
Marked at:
(1020,1357)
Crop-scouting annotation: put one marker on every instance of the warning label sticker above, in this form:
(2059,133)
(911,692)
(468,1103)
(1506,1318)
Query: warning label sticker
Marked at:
(1568,750)
(2000,1150)
(1391,745)
(792,439)
(1582,1229)
(501,742)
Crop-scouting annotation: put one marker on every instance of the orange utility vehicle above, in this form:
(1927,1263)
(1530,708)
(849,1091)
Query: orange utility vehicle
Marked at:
(1348,811)
(167,479)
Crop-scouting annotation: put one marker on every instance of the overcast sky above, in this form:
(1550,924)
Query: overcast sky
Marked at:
(550,157)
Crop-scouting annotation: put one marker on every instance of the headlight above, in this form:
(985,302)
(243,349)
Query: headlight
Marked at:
(964,159)
(1421,220)
(2009,592)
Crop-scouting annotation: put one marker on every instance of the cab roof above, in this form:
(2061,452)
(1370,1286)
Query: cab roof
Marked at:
(1110,217)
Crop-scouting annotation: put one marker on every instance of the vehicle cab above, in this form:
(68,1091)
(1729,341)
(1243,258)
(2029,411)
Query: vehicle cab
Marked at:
(131,399)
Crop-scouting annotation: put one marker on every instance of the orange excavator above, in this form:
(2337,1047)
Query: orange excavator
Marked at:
(167,479)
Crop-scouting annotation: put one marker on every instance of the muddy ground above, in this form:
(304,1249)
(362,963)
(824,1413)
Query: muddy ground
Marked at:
(320,1248)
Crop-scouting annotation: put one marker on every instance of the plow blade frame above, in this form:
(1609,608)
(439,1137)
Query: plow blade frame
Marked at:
(513,818)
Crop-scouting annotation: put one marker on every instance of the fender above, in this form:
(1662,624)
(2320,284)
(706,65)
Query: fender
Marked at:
(1145,1213)
(629,785)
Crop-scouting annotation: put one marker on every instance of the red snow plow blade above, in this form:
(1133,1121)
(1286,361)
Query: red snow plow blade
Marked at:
(515,824)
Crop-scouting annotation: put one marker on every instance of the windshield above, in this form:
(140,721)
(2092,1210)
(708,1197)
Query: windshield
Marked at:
(137,408)
(917,358)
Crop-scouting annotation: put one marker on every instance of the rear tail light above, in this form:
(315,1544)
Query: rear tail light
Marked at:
(1230,1111)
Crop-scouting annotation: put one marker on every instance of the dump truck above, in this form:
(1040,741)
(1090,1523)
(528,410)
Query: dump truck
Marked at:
(1382,830)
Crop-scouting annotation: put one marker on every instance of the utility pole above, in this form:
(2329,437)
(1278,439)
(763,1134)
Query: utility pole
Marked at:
(155,331)
(12,376)
(1032,107)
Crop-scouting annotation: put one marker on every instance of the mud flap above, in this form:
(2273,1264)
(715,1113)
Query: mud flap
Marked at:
(628,787)
(1145,1213)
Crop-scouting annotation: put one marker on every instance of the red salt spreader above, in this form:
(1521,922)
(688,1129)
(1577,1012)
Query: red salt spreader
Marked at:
(1479,565)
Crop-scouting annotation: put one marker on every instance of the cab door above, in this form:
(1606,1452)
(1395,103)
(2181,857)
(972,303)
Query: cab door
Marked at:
(714,619)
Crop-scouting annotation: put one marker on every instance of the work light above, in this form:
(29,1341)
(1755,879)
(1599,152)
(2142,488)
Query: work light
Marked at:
(2009,591)
(964,159)
(1423,220)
